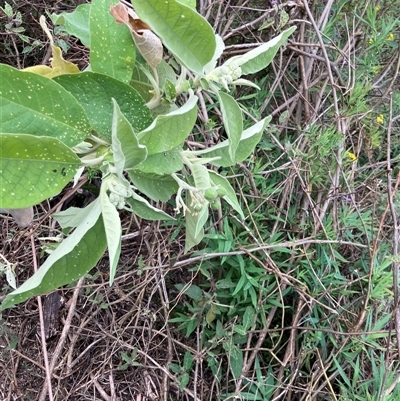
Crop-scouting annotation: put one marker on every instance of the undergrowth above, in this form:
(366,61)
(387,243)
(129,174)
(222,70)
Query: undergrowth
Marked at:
(299,300)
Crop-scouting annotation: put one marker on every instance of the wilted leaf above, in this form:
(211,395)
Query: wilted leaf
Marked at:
(146,41)
(23,217)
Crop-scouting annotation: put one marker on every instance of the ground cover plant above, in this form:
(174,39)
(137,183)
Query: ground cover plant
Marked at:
(291,292)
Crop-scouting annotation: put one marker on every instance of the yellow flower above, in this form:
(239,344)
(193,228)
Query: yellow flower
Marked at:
(379,119)
(375,69)
(377,8)
(370,41)
(390,37)
(351,156)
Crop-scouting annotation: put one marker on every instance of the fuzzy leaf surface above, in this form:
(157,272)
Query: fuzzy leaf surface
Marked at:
(143,209)
(71,260)
(170,130)
(127,151)
(113,229)
(182,30)
(233,121)
(230,196)
(249,139)
(156,187)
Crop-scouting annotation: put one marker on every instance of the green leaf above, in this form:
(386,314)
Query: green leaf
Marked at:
(248,317)
(182,30)
(189,3)
(187,361)
(112,51)
(170,130)
(257,59)
(75,23)
(143,209)
(94,92)
(194,224)
(156,187)
(112,227)
(32,104)
(71,260)
(127,152)
(230,196)
(233,121)
(236,360)
(200,176)
(248,141)
(164,163)
(193,291)
(73,216)
(33,169)
(184,380)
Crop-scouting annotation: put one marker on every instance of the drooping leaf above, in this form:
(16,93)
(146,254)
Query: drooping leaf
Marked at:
(59,66)
(33,169)
(170,130)
(249,139)
(75,23)
(230,196)
(182,30)
(112,227)
(156,187)
(143,209)
(127,152)
(71,260)
(164,163)
(94,92)
(148,44)
(32,104)
(233,121)
(112,51)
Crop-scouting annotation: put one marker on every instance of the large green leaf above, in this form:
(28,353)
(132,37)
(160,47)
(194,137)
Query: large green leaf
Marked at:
(73,258)
(170,130)
(257,59)
(112,51)
(248,141)
(127,152)
(156,187)
(32,104)
(182,30)
(164,163)
(113,229)
(94,92)
(33,169)
(233,121)
(75,23)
